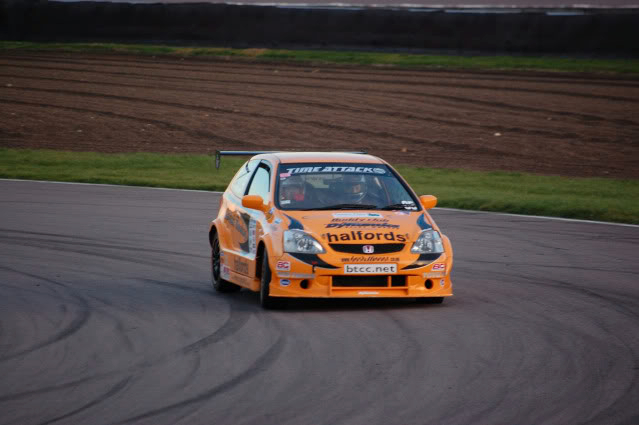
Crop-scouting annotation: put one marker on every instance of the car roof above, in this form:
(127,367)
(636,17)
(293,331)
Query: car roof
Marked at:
(292,157)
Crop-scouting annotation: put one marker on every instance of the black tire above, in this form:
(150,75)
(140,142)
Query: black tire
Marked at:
(266,301)
(219,284)
(430,300)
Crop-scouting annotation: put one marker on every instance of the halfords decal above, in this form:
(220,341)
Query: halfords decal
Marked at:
(370,268)
(365,236)
(333,169)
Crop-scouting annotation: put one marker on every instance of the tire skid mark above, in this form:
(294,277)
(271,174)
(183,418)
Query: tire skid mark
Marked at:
(394,93)
(234,322)
(101,245)
(114,390)
(57,235)
(547,266)
(326,106)
(410,357)
(394,81)
(78,322)
(542,323)
(622,306)
(34,244)
(259,366)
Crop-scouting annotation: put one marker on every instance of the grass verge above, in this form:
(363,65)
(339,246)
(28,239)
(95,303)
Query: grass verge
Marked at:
(519,193)
(626,66)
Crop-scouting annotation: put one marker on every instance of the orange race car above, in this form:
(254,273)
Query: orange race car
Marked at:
(340,225)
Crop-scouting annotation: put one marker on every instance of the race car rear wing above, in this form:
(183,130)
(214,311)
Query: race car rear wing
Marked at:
(219,154)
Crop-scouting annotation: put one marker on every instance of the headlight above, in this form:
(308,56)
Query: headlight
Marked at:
(299,241)
(428,242)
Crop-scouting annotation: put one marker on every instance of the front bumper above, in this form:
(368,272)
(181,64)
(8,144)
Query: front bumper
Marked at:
(304,280)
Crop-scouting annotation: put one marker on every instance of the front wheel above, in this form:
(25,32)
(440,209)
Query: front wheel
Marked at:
(267,301)
(219,284)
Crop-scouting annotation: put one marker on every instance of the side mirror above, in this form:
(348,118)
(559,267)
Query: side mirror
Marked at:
(428,201)
(254,202)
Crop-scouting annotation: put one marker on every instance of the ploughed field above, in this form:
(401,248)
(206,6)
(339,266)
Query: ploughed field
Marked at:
(547,123)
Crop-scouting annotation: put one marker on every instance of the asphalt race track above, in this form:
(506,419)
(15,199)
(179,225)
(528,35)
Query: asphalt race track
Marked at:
(107,317)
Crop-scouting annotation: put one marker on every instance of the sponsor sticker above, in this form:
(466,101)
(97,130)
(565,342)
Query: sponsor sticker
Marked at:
(368,293)
(433,275)
(285,282)
(252,236)
(269,214)
(370,268)
(439,267)
(356,215)
(285,175)
(369,259)
(368,249)
(442,283)
(240,266)
(225,272)
(285,201)
(284,266)
(376,225)
(334,169)
(361,235)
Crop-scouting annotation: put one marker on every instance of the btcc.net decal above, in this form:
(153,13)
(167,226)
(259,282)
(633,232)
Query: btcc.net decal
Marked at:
(370,268)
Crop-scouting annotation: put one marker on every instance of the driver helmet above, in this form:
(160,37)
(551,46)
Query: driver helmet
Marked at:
(354,188)
(292,189)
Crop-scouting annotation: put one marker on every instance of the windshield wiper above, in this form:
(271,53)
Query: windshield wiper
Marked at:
(398,207)
(344,207)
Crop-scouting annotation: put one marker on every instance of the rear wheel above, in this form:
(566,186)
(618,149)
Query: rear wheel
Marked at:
(219,284)
(266,300)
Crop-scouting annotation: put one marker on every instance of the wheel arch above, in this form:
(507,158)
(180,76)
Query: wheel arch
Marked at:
(259,256)
(212,233)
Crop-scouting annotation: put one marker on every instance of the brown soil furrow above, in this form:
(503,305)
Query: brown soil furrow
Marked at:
(390,81)
(479,120)
(491,104)
(353,73)
(201,134)
(308,123)
(333,107)
(513,84)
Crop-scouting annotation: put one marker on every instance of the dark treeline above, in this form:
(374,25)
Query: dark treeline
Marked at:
(605,32)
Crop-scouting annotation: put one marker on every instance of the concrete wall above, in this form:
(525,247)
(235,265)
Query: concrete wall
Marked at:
(603,33)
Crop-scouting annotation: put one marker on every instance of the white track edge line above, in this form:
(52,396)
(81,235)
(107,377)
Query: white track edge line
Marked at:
(541,217)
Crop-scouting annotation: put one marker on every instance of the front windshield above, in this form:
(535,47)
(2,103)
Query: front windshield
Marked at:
(341,186)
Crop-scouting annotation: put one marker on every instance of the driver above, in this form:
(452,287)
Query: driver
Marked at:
(354,188)
(292,190)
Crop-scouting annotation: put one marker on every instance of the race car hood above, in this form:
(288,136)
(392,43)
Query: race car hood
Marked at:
(357,227)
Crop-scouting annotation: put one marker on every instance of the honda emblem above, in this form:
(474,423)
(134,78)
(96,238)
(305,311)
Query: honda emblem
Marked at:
(368,249)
